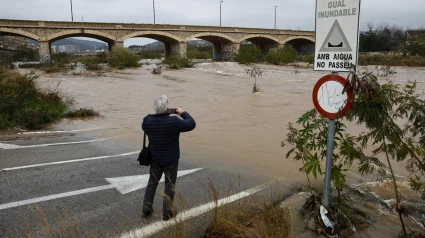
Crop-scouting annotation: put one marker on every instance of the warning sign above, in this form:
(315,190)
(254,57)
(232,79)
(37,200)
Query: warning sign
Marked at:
(337,35)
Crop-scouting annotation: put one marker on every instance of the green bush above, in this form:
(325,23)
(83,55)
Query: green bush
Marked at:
(392,60)
(82,112)
(23,106)
(29,66)
(26,54)
(285,55)
(249,54)
(174,62)
(92,66)
(123,58)
(61,58)
(308,59)
(151,55)
(196,54)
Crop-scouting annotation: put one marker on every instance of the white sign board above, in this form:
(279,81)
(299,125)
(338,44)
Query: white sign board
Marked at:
(337,35)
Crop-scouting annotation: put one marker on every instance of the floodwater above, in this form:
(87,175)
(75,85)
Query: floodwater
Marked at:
(236,129)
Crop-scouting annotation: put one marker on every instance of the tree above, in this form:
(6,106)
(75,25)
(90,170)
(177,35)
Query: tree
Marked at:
(255,73)
(379,108)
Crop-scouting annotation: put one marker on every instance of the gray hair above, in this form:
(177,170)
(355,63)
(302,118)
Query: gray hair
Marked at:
(160,104)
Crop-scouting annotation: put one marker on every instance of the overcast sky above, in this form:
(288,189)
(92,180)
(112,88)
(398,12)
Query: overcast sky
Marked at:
(291,14)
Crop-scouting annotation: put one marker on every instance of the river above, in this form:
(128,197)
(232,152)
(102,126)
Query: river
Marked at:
(237,130)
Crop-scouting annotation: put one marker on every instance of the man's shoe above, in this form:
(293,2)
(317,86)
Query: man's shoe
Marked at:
(166,218)
(146,214)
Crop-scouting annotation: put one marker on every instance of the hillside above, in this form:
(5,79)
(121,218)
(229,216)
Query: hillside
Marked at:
(83,44)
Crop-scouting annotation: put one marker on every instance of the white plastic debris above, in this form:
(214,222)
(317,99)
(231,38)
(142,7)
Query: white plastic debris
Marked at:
(325,219)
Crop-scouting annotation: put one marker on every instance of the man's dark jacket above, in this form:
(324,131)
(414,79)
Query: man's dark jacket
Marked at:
(163,132)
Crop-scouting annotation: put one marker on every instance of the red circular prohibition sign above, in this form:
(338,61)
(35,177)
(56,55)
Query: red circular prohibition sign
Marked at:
(323,112)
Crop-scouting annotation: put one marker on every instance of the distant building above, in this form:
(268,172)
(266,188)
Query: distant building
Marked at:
(13,42)
(65,49)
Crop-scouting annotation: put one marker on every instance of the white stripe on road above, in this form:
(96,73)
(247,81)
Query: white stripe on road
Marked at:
(11,146)
(8,146)
(56,196)
(70,161)
(71,131)
(156,227)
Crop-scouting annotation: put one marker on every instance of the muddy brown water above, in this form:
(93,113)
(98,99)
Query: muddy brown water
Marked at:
(236,129)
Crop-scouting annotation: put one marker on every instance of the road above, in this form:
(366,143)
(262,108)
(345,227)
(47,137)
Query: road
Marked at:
(83,182)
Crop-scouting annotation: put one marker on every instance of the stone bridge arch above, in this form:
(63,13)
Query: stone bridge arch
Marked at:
(224,46)
(303,44)
(264,42)
(17,32)
(174,45)
(164,37)
(99,35)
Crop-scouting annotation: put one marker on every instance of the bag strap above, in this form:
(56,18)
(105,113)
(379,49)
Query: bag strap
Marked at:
(144,141)
(144,137)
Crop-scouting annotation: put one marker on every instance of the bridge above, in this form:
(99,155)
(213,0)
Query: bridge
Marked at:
(226,40)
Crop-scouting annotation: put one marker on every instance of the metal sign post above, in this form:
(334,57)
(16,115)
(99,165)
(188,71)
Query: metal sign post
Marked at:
(337,40)
(329,153)
(331,103)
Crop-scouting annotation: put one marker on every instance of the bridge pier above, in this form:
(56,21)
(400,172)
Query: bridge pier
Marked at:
(179,49)
(225,51)
(45,51)
(116,45)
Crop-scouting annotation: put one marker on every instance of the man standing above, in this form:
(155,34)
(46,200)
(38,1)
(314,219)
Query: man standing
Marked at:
(163,132)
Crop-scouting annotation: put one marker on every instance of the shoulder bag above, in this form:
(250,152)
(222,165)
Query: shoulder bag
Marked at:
(145,156)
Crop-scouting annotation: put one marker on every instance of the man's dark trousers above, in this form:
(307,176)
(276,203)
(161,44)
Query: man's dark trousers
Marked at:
(156,171)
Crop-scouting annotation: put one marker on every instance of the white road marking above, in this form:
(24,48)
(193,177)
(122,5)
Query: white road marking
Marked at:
(11,147)
(8,146)
(156,227)
(69,161)
(70,131)
(124,185)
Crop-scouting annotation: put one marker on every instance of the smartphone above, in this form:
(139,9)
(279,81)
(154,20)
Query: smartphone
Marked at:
(171,110)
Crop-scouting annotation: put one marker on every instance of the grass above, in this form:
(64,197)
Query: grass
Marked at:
(174,62)
(248,218)
(151,55)
(249,54)
(392,60)
(282,56)
(123,58)
(197,54)
(62,226)
(81,113)
(23,105)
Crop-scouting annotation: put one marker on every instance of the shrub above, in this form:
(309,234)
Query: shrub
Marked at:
(26,54)
(308,59)
(123,58)
(174,62)
(392,60)
(22,105)
(249,54)
(82,112)
(61,58)
(29,66)
(196,54)
(285,55)
(151,55)
(51,68)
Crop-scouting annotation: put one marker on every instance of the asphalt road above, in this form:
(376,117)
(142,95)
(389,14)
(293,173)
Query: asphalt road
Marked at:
(83,201)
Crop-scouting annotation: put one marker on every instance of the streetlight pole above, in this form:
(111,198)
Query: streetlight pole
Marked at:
(72,15)
(220,12)
(154,12)
(275,16)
